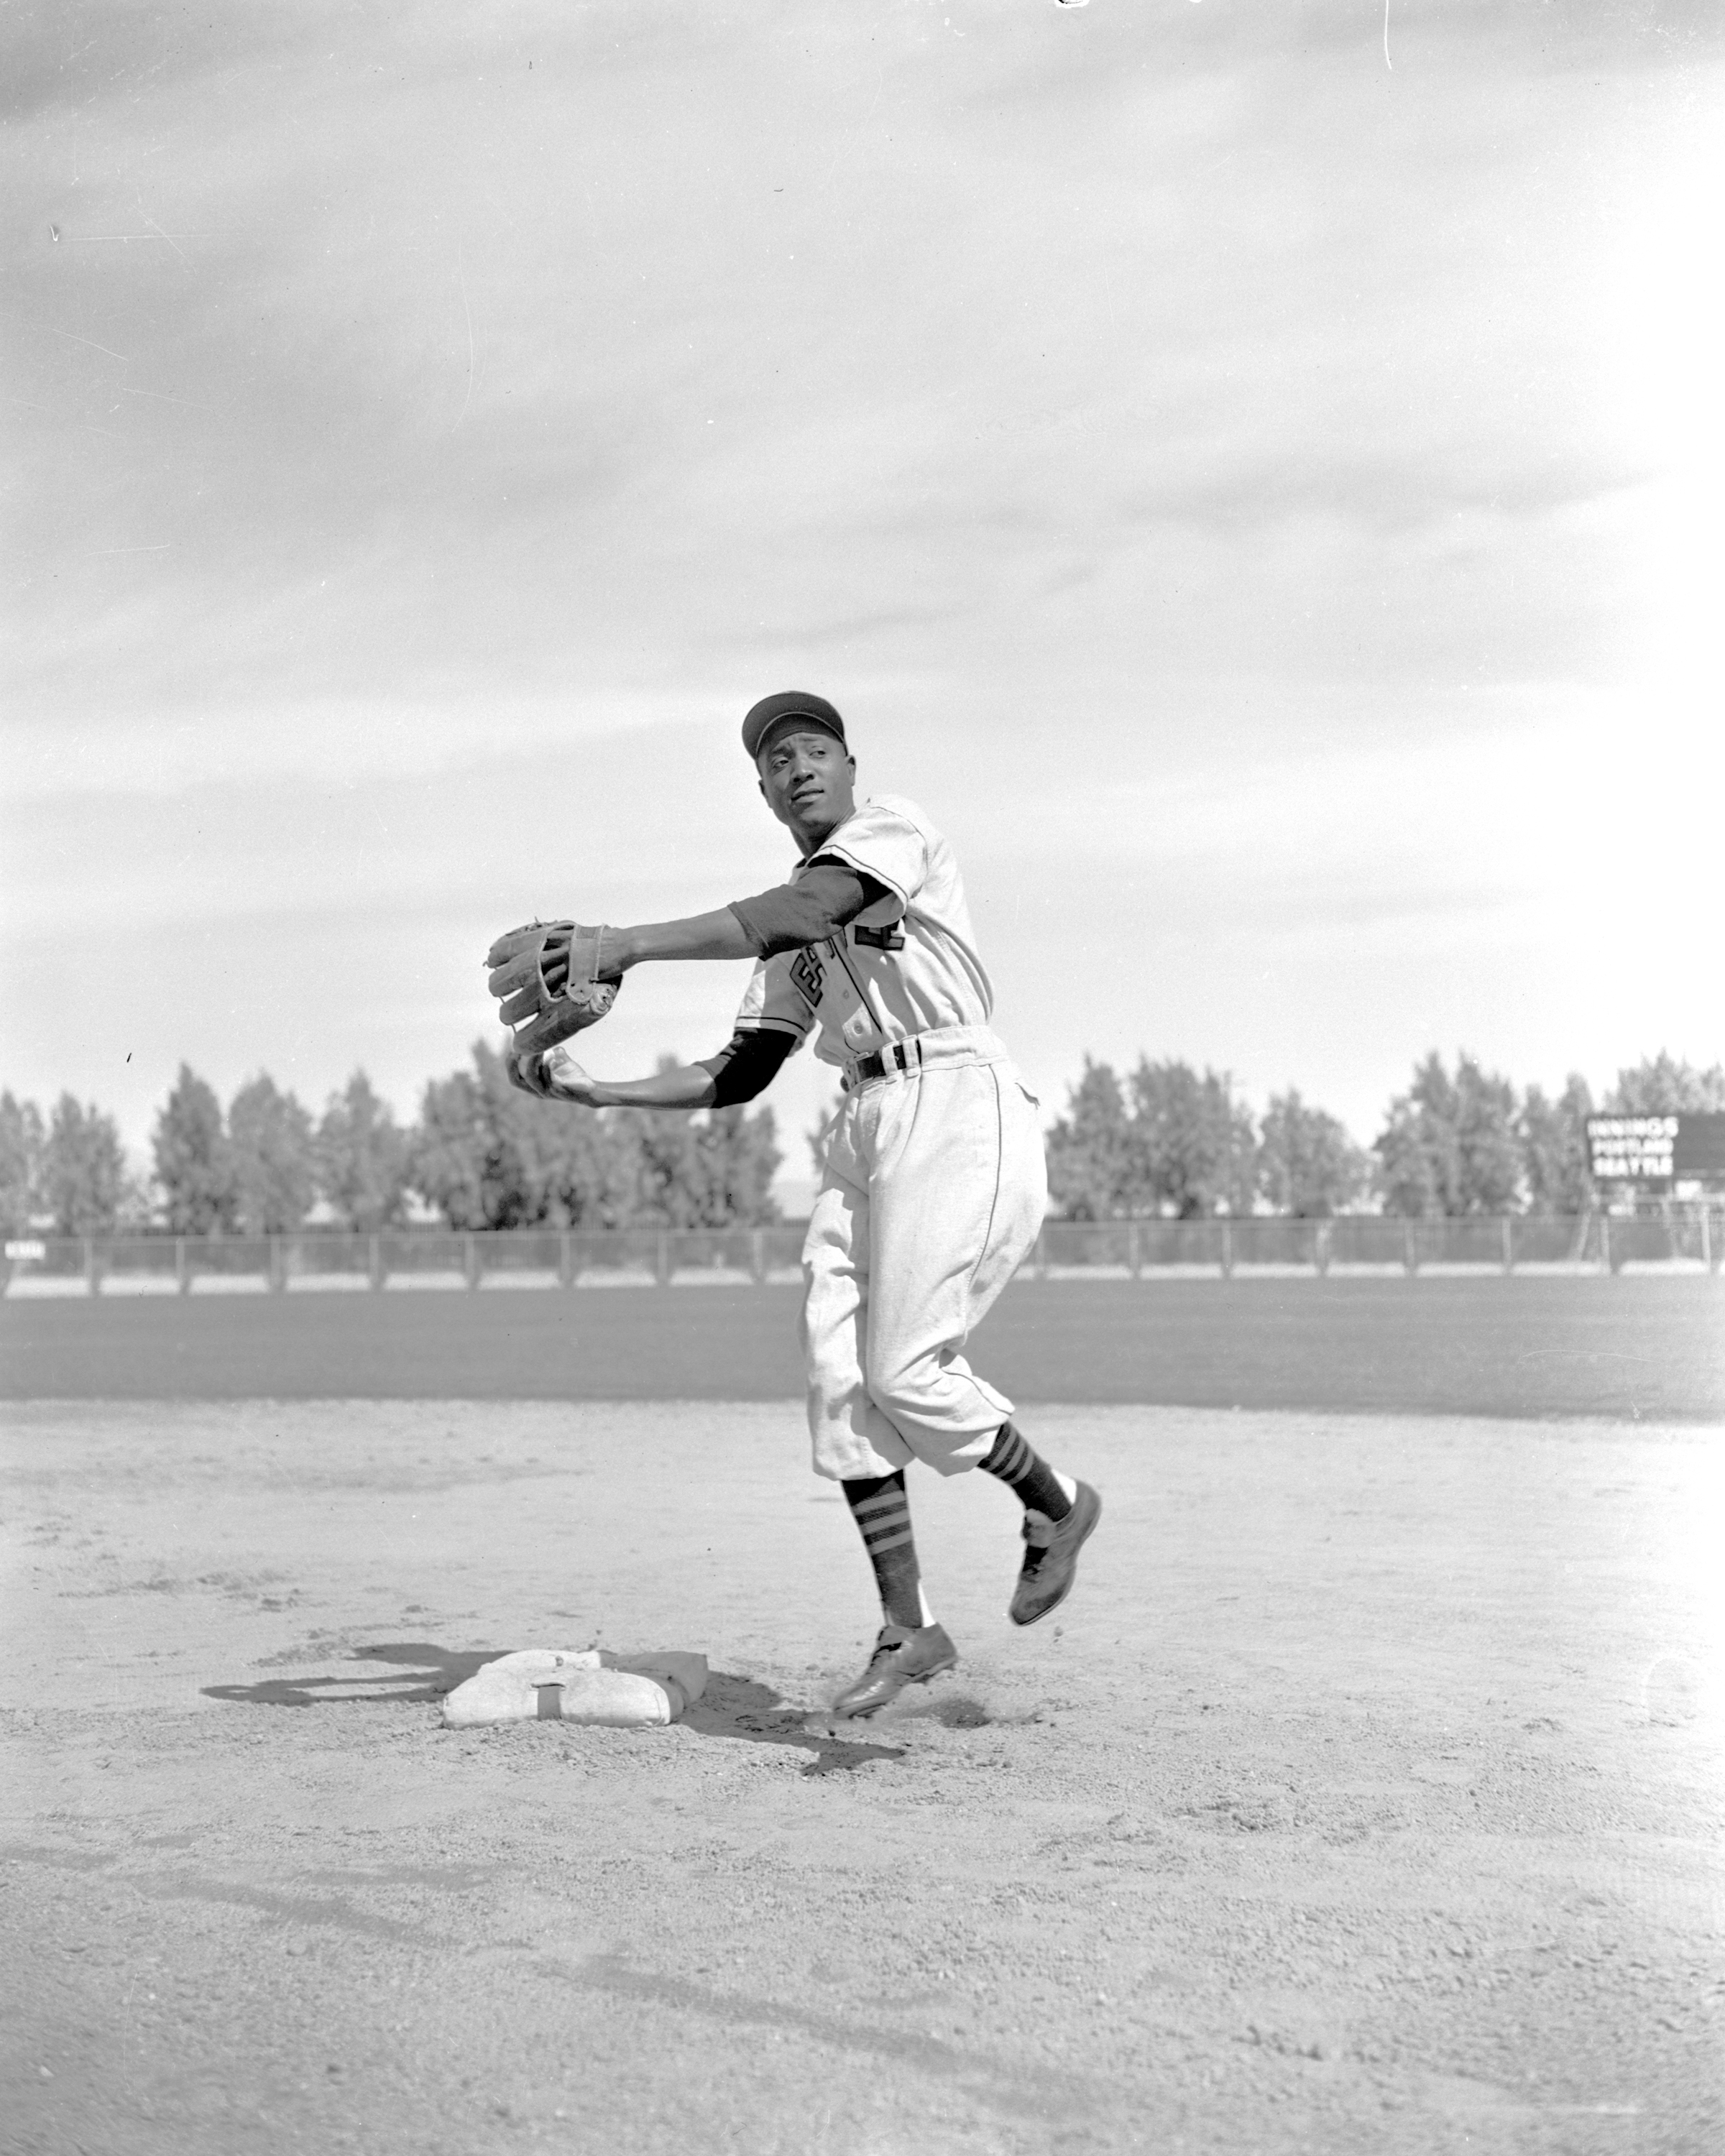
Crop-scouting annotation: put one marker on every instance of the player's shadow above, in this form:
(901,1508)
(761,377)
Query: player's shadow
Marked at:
(734,1706)
(731,1705)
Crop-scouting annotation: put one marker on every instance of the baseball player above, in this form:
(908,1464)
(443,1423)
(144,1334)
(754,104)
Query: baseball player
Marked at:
(934,1184)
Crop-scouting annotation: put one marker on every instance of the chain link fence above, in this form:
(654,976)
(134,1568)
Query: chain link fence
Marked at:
(411,1257)
(1688,1236)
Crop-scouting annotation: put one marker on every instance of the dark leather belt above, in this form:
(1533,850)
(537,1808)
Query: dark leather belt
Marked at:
(897,1055)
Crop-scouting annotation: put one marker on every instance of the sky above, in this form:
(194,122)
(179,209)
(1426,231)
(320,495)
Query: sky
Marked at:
(1250,475)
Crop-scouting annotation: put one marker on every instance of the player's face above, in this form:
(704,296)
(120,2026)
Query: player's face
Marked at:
(809,782)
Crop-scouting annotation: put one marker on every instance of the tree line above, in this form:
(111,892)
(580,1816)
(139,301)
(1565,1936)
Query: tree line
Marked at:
(481,1155)
(1164,1139)
(1167,1139)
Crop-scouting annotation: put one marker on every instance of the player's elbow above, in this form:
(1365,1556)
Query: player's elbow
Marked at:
(745,1066)
(733,1088)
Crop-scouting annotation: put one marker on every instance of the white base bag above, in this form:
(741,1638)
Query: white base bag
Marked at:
(594,1686)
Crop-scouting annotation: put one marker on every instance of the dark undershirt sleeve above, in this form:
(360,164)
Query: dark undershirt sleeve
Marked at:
(826,896)
(746,1066)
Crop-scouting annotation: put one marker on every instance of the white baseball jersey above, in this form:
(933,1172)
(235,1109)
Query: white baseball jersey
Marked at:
(906,965)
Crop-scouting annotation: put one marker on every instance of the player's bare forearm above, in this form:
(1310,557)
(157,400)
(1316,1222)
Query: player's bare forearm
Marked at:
(685,1085)
(716,935)
(744,1067)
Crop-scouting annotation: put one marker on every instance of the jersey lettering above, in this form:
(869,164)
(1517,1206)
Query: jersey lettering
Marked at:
(809,975)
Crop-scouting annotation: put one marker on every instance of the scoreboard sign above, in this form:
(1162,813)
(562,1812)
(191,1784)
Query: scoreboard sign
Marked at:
(1632,1148)
(1656,1148)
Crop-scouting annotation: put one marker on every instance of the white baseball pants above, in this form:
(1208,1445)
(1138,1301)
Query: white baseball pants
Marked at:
(932,1196)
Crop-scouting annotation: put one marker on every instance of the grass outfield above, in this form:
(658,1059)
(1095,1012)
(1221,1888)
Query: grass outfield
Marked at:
(1633,1347)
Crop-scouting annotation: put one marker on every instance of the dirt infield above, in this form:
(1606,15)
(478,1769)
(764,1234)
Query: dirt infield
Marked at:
(1649,1346)
(1365,1798)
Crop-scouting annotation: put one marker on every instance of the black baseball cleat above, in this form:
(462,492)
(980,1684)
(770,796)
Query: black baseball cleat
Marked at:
(903,1655)
(1051,1557)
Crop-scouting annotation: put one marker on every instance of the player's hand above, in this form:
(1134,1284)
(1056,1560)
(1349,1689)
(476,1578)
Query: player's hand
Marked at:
(564,1079)
(551,1075)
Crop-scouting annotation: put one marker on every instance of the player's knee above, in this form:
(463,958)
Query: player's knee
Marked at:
(904,1389)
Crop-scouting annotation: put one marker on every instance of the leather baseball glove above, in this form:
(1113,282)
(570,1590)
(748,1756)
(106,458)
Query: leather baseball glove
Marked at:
(550,982)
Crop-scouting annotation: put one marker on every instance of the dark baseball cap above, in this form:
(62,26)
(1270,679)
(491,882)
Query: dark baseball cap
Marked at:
(790,704)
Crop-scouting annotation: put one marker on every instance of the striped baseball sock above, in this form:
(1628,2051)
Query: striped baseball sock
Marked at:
(882,1511)
(1024,1470)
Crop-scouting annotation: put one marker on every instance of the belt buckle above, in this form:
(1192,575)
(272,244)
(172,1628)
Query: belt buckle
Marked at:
(897,1056)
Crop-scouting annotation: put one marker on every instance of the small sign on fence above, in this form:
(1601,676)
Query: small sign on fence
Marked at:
(25,1248)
